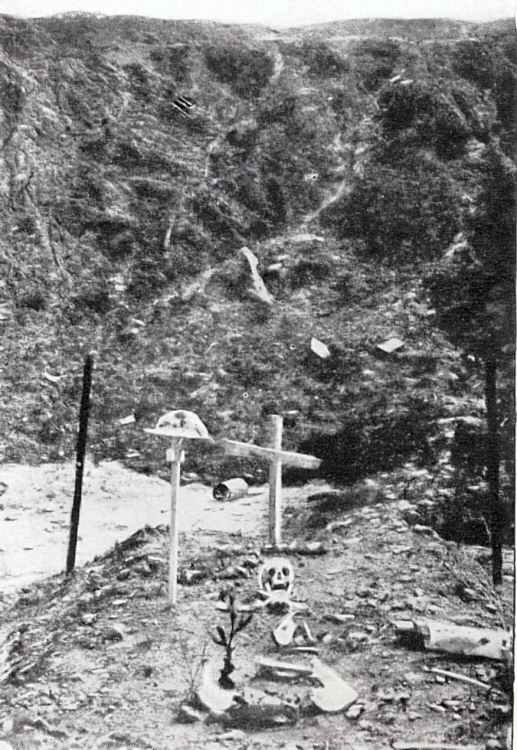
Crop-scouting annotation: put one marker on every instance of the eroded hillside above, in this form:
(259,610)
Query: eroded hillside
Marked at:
(138,157)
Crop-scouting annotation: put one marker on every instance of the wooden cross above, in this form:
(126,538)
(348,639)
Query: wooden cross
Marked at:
(276,458)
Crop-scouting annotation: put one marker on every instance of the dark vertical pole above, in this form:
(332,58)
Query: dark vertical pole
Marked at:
(79,465)
(492,463)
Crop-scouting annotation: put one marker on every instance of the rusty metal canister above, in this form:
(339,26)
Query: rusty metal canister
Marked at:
(229,490)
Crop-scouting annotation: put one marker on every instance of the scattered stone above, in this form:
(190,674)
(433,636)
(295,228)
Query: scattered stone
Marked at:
(143,569)
(402,550)
(339,619)
(88,618)
(354,712)
(451,704)
(191,576)
(235,735)
(124,574)
(255,709)
(114,632)
(420,529)
(188,715)
(85,599)
(232,572)
(358,636)
(467,594)
(338,525)
(389,718)
(413,678)
(413,716)
(385,696)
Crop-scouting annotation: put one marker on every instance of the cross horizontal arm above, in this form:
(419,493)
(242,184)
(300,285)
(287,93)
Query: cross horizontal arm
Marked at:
(288,458)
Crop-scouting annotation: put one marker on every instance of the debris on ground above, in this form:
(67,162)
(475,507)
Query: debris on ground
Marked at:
(335,694)
(254,709)
(455,639)
(367,690)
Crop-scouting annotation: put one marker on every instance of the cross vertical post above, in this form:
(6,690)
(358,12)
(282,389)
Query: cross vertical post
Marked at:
(275,482)
(175,456)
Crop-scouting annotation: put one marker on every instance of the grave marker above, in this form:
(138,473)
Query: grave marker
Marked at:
(276,458)
(178,426)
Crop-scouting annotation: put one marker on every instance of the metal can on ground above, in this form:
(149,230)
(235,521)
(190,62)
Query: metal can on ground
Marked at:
(231,489)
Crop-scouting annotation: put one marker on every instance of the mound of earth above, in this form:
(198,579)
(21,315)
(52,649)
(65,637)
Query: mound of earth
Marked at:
(101,660)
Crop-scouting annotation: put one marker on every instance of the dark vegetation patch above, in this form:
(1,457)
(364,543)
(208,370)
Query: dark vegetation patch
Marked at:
(246,70)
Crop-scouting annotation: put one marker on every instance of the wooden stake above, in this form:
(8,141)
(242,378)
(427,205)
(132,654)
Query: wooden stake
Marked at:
(173,546)
(79,463)
(275,483)
(461,678)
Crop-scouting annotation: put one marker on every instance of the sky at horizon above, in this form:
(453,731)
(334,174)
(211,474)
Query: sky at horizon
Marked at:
(271,12)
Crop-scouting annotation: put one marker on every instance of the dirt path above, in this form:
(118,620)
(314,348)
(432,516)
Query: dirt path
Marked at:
(35,512)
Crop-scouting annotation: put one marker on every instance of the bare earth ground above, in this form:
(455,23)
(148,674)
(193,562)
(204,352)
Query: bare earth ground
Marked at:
(108,664)
(35,514)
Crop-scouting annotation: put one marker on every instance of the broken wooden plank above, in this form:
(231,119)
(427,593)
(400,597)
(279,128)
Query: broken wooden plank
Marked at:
(456,639)
(289,458)
(274,666)
(334,695)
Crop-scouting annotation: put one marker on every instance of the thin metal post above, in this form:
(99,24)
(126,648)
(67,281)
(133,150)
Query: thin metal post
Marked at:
(79,464)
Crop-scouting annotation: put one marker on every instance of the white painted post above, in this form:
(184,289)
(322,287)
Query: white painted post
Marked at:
(175,456)
(275,482)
